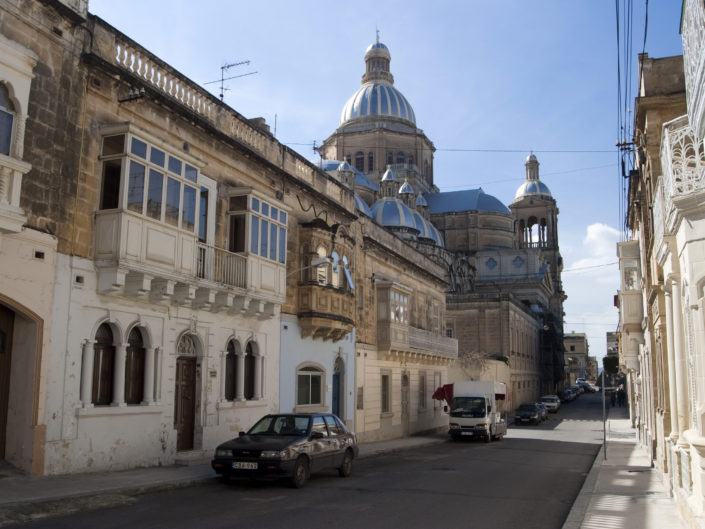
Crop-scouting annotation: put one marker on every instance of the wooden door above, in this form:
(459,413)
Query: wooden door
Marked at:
(405,403)
(185,402)
(7,321)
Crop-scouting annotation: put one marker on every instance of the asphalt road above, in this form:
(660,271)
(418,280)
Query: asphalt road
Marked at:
(528,480)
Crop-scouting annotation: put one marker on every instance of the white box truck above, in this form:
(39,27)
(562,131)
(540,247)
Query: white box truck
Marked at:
(476,409)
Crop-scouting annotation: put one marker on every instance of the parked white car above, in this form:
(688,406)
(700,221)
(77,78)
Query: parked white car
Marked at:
(552,403)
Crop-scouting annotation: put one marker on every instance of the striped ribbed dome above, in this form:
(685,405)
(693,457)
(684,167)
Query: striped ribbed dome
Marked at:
(427,230)
(393,213)
(377,99)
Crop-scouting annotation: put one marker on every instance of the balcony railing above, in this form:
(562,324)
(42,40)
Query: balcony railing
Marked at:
(693,31)
(682,164)
(404,339)
(221,266)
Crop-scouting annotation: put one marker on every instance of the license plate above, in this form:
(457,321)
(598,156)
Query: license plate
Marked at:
(244,465)
(466,433)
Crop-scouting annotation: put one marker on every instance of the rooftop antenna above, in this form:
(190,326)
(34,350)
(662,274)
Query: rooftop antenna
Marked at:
(223,78)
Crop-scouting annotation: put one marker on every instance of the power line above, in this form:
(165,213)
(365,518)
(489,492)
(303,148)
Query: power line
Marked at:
(458,149)
(589,267)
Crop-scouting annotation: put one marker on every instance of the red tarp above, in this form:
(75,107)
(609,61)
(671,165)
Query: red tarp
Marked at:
(444,393)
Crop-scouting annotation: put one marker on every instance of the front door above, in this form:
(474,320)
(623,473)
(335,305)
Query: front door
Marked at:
(336,393)
(405,403)
(185,402)
(7,321)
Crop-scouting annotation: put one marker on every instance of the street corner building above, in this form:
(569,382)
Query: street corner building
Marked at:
(170,272)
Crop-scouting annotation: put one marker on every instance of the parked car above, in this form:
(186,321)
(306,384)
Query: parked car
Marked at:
(543,411)
(528,412)
(288,445)
(567,395)
(586,386)
(552,403)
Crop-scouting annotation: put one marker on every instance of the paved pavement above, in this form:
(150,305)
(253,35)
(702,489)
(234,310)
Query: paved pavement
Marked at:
(622,490)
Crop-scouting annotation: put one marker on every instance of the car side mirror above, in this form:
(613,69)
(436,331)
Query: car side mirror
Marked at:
(316,435)
(489,409)
(445,409)
(242,433)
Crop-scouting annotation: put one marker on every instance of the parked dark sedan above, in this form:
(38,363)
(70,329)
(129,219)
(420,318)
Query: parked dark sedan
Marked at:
(527,413)
(288,445)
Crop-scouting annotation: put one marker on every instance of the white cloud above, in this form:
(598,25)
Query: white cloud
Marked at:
(591,280)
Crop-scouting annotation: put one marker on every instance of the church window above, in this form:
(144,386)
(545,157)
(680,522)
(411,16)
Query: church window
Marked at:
(370,162)
(390,158)
(401,157)
(360,161)
(411,160)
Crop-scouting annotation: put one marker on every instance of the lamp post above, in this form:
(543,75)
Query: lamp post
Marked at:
(315,263)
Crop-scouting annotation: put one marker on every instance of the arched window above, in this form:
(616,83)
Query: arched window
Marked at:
(390,158)
(309,386)
(370,162)
(426,170)
(7,118)
(401,157)
(250,361)
(103,364)
(360,161)
(230,371)
(134,368)
(322,270)
(411,160)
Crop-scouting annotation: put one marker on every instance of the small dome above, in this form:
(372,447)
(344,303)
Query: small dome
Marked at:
(344,166)
(406,189)
(533,188)
(377,46)
(531,157)
(389,175)
(361,206)
(393,213)
(421,201)
(427,230)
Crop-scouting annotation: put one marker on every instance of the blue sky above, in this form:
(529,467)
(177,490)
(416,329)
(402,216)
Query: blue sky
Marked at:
(489,81)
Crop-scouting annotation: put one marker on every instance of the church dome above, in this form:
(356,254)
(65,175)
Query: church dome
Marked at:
(377,98)
(393,213)
(406,189)
(533,188)
(361,206)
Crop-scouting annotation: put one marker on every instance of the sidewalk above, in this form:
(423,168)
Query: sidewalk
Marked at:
(24,498)
(623,490)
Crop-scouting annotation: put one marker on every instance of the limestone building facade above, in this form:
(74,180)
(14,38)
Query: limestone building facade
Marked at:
(661,298)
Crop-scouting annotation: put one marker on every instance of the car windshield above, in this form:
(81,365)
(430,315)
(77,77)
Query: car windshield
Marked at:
(549,399)
(471,405)
(527,407)
(281,425)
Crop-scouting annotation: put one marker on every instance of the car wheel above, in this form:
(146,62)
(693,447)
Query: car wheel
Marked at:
(298,479)
(345,469)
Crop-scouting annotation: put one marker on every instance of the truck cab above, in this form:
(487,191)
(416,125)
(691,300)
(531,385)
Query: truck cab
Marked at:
(475,412)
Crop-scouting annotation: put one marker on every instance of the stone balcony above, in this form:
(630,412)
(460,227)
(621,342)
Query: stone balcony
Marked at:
(12,218)
(397,340)
(137,257)
(325,312)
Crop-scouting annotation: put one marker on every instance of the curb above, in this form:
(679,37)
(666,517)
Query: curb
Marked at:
(582,501)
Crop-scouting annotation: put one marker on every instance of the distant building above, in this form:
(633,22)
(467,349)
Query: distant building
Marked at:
(576,356)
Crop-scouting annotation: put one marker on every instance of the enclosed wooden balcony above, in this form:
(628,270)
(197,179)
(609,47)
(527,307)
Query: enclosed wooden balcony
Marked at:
(325,312)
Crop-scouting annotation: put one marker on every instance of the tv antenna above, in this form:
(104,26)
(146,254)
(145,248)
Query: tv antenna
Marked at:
(222,79)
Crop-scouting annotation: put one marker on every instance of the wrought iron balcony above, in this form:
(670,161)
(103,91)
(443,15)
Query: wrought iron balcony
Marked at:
(683,168)
(693,31)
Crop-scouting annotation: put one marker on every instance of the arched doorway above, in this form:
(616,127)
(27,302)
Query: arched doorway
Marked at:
(185,393)
(338,407)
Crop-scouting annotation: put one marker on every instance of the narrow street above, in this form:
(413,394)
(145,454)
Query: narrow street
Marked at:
(528,480)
